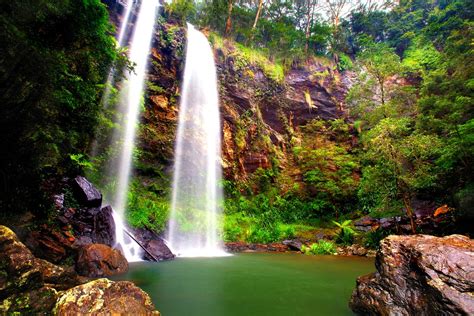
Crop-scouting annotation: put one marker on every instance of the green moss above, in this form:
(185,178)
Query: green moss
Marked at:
(154,88)
(245,56)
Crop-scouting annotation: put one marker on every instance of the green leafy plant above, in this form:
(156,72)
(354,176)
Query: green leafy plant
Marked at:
(373,238)
(346,235)
(322,247)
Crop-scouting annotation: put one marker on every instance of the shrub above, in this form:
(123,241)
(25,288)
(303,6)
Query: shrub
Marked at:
(373,238)
(146,209)
(346,234)
(322,247)
(345,63)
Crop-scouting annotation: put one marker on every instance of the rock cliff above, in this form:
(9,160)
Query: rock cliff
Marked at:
(262,108)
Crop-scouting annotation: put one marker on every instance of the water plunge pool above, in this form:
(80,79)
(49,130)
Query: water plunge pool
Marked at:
(251,284)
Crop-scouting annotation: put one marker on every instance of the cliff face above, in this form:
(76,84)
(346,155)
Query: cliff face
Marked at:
(262,114)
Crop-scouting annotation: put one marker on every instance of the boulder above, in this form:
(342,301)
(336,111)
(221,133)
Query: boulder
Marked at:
(153,243)
(293,244)
(50,244)
(90,224)
(38,301)
(85,192)
(58,277)
(105,297)
(419,275)
(159,250)
(239,246)
(29,285)
(104,227)
(18,271)
(98,260)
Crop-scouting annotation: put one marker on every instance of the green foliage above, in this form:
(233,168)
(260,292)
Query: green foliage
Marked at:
(399,162)
(346,235)
(372,239)
(329,169)
(82,162)
(55,55)
(345,63)
(255,229)
(146,209)
(379,62)
(322,247)
(245,58)
(182,10)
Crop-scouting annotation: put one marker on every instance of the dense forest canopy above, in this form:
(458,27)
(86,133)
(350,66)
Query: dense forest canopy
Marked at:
(410,105)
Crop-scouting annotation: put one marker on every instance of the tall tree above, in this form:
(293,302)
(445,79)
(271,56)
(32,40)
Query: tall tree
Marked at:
(310,11)
(400,162)
(381,63)
(228,23)
(257,15)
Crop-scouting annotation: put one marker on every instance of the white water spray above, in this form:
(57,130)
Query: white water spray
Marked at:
(131,98)
(197,198)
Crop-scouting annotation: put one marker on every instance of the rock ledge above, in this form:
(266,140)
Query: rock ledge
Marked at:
(419,275)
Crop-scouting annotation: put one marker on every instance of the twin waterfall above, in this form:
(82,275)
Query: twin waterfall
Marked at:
(197,196)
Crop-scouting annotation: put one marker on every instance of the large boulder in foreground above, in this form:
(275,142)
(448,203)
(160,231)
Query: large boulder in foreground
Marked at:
(98,260)
(105,297)
(419,275)
(29,285)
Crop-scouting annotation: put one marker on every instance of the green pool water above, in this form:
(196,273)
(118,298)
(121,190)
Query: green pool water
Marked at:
(251,284)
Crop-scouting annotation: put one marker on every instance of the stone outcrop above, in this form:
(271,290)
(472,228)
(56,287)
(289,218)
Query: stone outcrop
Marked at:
(260,113)
(86,193)
(90,222)
(28,284)
(293,244)
(105,297)
(419,275)
(154,244)
(97,260)
(50,243)
(33,286)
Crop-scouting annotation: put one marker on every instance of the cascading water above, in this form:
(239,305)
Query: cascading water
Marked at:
(197,198)
(105,101)
(130,98)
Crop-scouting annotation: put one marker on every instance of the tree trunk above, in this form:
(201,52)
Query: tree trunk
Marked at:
(308,27)
(257,16)
(382,92)
(411,215)
(228,23)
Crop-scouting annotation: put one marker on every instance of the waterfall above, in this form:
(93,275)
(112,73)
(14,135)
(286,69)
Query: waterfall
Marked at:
(131,97)
(197,197)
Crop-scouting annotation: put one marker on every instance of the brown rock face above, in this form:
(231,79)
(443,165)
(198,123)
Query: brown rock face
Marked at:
(104,297)
(419,275)
(260,114)
(97,260)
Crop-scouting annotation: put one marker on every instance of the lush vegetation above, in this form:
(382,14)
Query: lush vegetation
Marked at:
(408,133)
(54,59)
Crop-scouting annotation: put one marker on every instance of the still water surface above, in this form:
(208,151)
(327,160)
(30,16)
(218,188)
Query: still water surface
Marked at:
(251,284)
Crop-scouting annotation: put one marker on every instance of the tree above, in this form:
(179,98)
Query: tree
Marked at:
(310,10)
(257,15)
(55,56)
(399,163)
(381,63)
(228,23)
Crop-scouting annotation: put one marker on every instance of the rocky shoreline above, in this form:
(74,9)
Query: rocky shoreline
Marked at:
(29,285)
(294,246)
